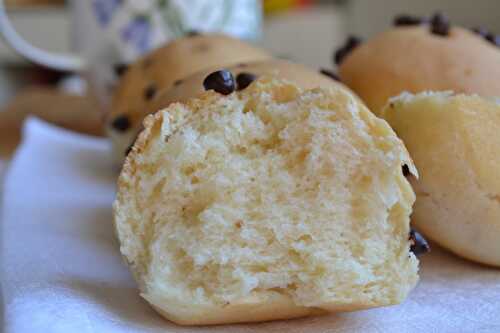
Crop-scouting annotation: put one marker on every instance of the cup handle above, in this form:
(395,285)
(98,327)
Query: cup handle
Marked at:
(63,62)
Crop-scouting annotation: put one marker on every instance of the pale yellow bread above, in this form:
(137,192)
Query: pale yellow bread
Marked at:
(414,60)
(454,141)
(268,203)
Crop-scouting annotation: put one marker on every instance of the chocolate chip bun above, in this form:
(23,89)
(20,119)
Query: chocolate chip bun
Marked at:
(160,70)
(454,141)
(266,203)
(419,55)
(244,73)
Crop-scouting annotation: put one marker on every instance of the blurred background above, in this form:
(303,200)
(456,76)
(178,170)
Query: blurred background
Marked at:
(306,31)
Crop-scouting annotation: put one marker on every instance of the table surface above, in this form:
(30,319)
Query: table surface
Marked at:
(54,232)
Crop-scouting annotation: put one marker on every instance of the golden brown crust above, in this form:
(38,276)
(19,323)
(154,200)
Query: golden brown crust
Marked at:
(414,60)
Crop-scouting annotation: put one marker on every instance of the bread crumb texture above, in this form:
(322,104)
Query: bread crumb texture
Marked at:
(454,140)
(269,203)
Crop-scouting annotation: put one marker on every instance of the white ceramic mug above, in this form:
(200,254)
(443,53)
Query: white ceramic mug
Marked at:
(108,32)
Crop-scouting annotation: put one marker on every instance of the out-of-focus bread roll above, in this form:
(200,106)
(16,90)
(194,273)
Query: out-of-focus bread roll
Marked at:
(192,85)
(163,68)
(454,141)
(267,203)
(413,59)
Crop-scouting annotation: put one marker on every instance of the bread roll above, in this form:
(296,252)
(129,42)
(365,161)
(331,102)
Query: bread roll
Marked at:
(414,59)
(268,203)
(454,141)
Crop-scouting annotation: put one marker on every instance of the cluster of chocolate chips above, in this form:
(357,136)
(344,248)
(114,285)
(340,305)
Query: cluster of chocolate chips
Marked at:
(351,43)
(224,82)
(487,35)
(439,23)
(418,245)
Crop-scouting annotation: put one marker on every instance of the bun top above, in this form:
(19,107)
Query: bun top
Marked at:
(300,75)
(413,58)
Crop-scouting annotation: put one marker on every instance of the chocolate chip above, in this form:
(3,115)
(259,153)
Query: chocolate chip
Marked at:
(340,55)
(150,92)
(493,39)
(351,43)
(243,80)
(440,25)
(221,81)
(481,31)
(406,171)
(331,74)
(407,20)
(129,149)
(178,82)
(418,243)
(440,29)
(490,37)
(120,69)
(192,33)
(121,123)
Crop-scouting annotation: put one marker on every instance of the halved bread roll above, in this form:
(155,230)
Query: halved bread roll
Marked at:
(267,203)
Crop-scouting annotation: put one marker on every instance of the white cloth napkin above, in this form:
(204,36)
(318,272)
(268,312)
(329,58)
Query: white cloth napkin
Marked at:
(62,271)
